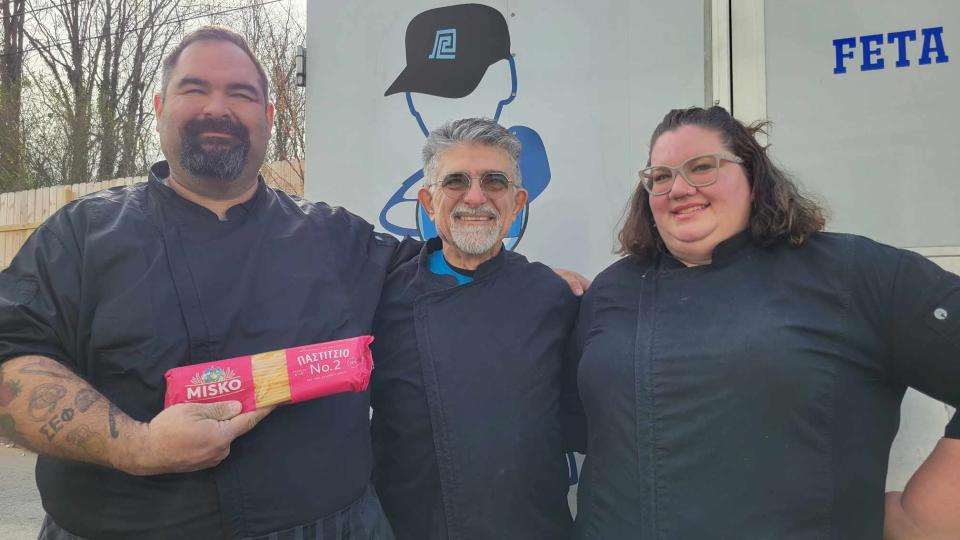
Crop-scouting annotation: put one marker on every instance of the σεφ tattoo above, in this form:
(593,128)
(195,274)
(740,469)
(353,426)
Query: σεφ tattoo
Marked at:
(55,424)
(112,412)
(85,398)
(40,369)
(44,399)
(8,389)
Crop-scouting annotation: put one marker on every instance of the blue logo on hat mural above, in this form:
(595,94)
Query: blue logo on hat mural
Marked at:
(469,38)
(445,45)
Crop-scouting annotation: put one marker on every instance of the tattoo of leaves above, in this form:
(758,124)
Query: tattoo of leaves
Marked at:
(112,413)
(44,399)
(85,398)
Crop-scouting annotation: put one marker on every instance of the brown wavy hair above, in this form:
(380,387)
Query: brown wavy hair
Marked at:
(778,210)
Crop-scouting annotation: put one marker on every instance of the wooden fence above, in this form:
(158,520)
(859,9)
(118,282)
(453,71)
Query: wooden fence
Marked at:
(21,212)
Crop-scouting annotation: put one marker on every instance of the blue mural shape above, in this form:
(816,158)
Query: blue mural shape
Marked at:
(445,45)
(469,38)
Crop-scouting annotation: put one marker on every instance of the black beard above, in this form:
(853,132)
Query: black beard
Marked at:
(224,163)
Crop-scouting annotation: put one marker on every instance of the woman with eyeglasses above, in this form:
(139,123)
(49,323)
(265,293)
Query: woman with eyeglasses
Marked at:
(742,370)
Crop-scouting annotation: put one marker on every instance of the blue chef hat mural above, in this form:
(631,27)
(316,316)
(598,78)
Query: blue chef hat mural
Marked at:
(448,52)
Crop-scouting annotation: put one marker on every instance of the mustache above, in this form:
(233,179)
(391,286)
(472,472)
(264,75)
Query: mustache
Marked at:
(482,211)
(193,128)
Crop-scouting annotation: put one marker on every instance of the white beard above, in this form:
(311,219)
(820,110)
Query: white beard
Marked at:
(474,239)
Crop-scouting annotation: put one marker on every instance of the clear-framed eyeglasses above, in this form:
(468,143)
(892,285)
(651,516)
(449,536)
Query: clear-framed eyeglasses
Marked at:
(698,171)
(492,183)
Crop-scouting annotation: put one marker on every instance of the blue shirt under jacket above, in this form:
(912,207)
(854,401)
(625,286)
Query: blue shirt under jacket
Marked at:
(470,392)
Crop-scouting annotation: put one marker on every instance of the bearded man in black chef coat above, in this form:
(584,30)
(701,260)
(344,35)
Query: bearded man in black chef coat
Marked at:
(471,392)
(200,263)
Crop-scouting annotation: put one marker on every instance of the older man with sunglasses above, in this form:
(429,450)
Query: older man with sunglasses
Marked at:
(472,391)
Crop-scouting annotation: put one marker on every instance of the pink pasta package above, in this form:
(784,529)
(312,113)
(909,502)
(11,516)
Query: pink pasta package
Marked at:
(276,377)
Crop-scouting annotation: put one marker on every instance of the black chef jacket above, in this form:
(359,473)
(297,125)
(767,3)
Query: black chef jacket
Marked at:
(757,396)
(467,401)
(127,283)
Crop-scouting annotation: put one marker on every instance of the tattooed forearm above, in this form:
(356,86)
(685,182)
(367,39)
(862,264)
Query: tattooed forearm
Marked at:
(112,414)
(44,399)
(40,369)
(47,408)
(91,442)
(85,398)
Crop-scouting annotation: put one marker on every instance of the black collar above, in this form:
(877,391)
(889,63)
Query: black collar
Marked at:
(160,171)
(726,252)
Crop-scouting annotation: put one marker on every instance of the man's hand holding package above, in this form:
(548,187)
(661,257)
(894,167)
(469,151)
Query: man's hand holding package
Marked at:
(187,437)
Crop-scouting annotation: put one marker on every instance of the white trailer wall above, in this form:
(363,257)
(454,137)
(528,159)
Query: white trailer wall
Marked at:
(878,144)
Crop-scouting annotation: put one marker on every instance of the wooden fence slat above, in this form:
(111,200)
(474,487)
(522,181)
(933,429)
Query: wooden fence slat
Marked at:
(40,205)
(18,236)
(49,198)
(11,241)
(5,205)
(26,213)
(30,206)
(52,199)
(6,243)
(22,215)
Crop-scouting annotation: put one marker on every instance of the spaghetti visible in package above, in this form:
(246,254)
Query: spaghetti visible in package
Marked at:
(276,377)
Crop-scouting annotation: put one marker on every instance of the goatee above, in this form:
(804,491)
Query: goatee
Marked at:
(223,162)
(475,239)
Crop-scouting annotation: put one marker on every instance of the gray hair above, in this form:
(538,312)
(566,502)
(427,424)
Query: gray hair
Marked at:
(469,130)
